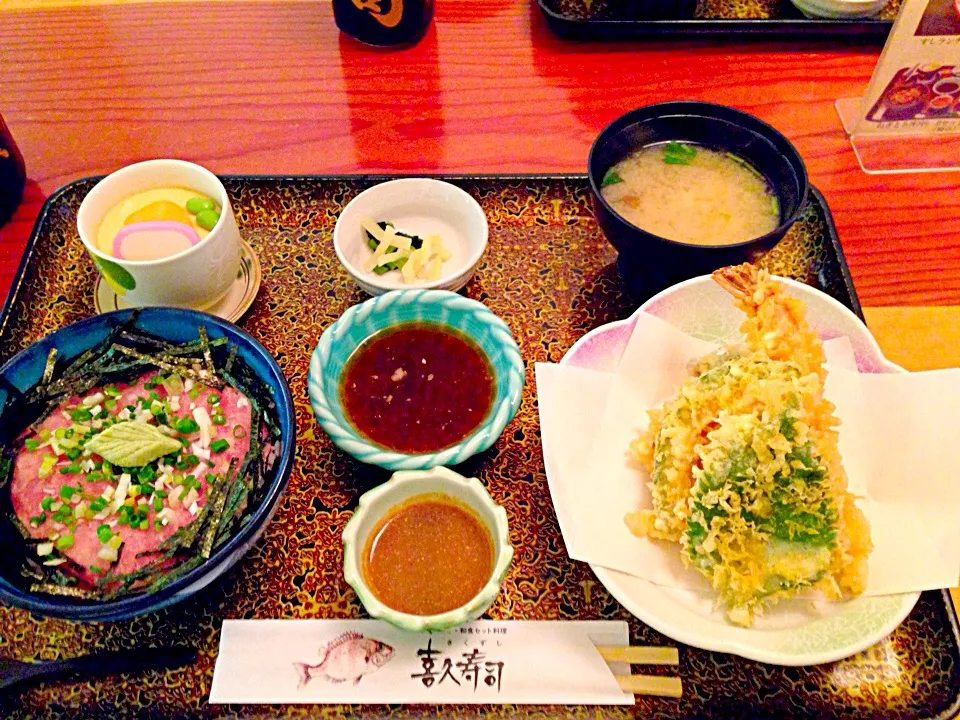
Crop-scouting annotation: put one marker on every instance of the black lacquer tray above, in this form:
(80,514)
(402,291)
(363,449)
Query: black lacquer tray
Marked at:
(551,275)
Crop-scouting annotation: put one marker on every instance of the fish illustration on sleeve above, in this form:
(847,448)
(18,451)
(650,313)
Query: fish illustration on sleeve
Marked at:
(349,656)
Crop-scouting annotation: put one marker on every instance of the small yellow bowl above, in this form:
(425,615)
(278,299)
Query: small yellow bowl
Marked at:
(401,486)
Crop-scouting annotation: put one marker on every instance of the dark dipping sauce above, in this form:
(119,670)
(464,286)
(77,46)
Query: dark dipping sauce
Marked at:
(428,555)
(417,387)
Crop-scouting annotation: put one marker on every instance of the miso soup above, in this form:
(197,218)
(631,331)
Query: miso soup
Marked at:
(692,194)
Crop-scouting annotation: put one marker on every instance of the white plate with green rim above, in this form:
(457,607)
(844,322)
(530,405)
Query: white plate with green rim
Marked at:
(797,632)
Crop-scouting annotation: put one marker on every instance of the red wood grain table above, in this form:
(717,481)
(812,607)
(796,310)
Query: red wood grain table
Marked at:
(272,87)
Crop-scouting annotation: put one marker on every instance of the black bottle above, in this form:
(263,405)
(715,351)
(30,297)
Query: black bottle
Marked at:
(13,175)
(384,22)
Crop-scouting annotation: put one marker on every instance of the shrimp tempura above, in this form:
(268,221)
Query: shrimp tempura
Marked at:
(745,470)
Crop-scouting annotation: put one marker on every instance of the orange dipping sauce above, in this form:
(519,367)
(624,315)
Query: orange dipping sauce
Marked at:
(428,555)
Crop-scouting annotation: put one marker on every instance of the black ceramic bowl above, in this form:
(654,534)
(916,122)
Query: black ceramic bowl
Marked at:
(656,262)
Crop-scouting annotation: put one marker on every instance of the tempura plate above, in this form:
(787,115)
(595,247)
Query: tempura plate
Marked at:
(792,633)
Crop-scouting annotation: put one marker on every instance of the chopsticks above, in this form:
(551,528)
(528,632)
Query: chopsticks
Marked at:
(645,684)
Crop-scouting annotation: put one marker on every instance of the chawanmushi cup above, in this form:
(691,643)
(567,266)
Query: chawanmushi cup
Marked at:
(195,278)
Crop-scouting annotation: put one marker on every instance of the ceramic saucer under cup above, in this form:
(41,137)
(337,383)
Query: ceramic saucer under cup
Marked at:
(230,307)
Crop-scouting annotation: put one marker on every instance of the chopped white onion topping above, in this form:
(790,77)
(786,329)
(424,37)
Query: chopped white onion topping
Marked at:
(198,450)
(92,400)
(203,420)
(44,549)
(124,414)
(121,493)
(54,563)
(108,554)
(194,509)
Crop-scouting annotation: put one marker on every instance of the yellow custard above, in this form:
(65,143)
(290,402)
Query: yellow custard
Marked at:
(156,204)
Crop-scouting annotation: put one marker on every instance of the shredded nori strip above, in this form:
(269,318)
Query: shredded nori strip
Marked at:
(207,357)
(49,368)
(65,591)
(126,353)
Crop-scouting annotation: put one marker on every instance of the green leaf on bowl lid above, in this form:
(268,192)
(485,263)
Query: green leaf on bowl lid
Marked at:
(611,178)
(132,444)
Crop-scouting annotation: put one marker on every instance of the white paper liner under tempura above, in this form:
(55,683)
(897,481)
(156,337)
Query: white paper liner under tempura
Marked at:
(899,438)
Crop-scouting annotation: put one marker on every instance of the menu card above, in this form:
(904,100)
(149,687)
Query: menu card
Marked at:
(369,661)
(912,104)
(915,87)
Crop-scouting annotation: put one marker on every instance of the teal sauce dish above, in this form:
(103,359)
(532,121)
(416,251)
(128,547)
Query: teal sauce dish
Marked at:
(469,317)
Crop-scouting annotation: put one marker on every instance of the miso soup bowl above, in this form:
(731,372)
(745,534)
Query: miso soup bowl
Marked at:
(655,261)
(403,485)
(195,278)
(469,317)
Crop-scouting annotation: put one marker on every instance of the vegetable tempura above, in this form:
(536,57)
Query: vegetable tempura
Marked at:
(745,470)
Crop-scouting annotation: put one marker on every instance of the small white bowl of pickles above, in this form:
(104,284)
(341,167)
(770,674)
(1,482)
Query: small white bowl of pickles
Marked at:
(840,9)
(411,233)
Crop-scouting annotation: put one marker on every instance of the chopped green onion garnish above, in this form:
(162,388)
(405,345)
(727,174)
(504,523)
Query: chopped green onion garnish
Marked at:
(74,453)
(144,524)
(98,504)
(81,415)
(72,469)
(104,533)
(218,446)
(31,444)
(66,492)
(218,420)
(611,178)
(185,425)
(675,153)
(64,542)
(47,503)
(239,431)
(157,504)
(213,399)
(38,520)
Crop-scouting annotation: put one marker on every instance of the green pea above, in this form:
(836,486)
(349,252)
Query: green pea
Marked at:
(198,204)
(207,219)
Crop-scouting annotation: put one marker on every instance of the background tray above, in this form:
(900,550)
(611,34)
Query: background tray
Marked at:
(605,20)
(551,275)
